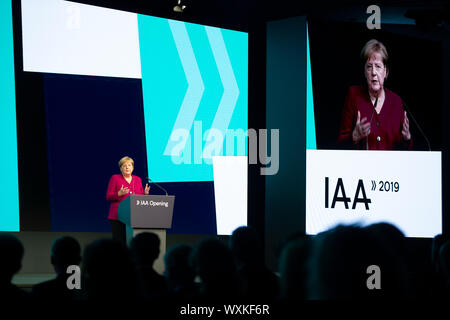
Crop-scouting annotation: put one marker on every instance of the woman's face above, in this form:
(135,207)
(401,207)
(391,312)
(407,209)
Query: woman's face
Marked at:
(126,168)
(375,72)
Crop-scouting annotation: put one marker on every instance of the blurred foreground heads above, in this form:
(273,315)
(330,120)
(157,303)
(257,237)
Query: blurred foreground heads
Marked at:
(340,260)
(108,272)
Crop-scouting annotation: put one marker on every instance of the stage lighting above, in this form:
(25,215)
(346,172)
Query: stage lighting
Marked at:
(179,7)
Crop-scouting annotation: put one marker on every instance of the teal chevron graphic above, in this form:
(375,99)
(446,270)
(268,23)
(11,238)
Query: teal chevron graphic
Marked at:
(231,89)
(195,92)
(9,198)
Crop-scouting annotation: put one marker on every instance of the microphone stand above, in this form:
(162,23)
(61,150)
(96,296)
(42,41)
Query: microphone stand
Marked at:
(150,180)
(417,124)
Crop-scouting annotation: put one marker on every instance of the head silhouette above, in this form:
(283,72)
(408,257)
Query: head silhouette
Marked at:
(438,241)
(65,251)
(214,264)
(390,233)
(245,246)
(178,270)
(11,251)
(144,248)
(293,268)
(444,260)
(108,271)
(340,261)
(392,238)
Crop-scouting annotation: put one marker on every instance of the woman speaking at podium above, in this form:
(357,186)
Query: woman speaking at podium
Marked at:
(373,117)
(121,186)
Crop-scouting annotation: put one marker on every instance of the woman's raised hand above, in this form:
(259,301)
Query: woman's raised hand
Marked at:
(123,191)
(362,129)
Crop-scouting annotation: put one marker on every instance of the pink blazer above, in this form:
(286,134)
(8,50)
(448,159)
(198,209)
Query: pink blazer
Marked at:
(115,183)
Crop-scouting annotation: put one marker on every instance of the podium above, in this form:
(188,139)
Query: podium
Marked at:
(148,213)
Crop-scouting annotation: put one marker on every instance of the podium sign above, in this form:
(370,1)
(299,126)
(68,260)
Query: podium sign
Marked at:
(403,188)
(147,211)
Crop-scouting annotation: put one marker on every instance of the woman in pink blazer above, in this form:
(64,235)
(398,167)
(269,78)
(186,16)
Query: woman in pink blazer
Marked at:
(121,186)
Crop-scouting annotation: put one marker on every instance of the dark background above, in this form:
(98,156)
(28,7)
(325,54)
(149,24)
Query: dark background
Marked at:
(415,74)
(90,122)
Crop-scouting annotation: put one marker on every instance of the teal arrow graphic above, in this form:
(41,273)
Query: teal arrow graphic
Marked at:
(195,89)
(194,78)
(231,90)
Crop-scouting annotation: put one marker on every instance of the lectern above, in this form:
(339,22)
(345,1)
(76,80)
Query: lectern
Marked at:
(148,213)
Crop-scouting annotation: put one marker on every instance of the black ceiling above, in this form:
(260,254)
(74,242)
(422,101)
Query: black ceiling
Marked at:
(243,14)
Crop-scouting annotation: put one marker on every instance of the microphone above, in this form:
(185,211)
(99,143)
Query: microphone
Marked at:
(371,117)
(150,180)
(417,124)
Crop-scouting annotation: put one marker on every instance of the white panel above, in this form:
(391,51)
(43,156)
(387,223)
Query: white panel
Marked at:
(416,208)
(71,38)
(230,191)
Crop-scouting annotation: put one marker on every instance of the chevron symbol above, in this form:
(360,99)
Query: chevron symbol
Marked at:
(195,90)
(231,90)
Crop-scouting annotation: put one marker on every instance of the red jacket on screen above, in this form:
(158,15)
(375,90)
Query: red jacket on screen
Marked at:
(386,127)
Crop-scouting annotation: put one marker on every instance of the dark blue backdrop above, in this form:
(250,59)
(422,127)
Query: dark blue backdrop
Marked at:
(91,123)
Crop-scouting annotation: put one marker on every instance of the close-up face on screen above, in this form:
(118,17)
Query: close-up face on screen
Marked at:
(373,125)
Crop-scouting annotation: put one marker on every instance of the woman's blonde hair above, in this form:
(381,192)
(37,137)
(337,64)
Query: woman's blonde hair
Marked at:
(125,159)
(370,48)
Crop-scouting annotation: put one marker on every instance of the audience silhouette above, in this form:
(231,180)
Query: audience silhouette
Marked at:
(394,240)
(145,249)
(341,263)
(438,279)
(108,273)
(65,251)
(11,251)
(213,263)
(293,268)
(179,274)
(444,261)
(258,283)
